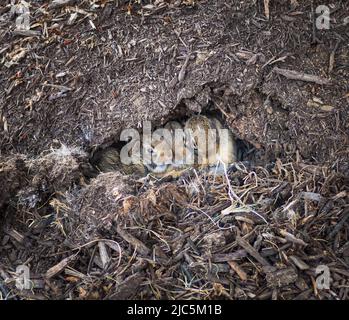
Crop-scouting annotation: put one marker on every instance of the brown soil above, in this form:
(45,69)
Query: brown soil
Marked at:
(258,232)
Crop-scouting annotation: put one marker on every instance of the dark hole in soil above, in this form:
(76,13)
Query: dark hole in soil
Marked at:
(245,150)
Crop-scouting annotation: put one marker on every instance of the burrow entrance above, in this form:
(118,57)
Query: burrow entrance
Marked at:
(245,151)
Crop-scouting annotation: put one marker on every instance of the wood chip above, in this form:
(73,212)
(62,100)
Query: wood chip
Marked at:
(326,108)
(183,70)
(225,257)
(332,58)
(291,238)
(339,225)
(26,33)
(139,245)
(15,235)
(103,254)
(241,273)
(299,263)
(266,9)
(252,251)
(60,3)
(295,75)
(129,287)
(58,267)
(280,278)
(311,196)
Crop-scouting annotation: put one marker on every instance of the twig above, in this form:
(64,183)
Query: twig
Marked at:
(59,267)
(183,70)
(332,57)
(295,75)
(241,273)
